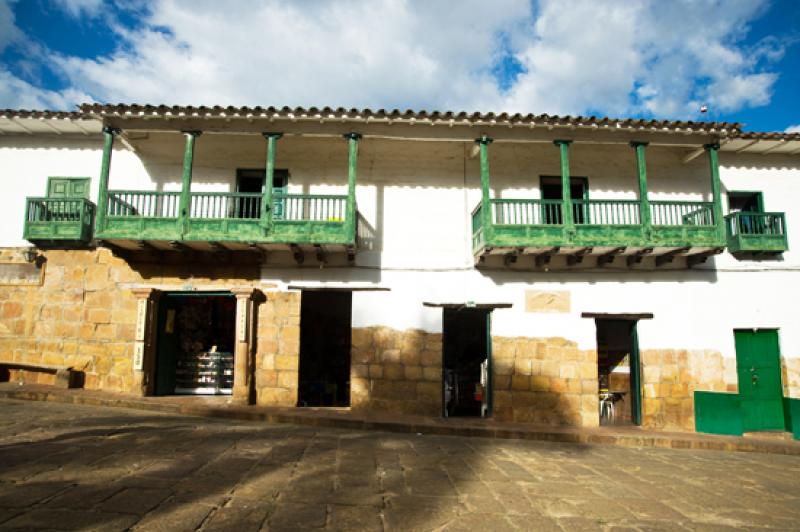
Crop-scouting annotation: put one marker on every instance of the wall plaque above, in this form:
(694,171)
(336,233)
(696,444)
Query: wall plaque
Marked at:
(21,273)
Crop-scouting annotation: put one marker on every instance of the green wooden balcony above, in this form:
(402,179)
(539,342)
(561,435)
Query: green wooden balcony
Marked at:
(756,232)
(227,217)
(58,221)
(524,223)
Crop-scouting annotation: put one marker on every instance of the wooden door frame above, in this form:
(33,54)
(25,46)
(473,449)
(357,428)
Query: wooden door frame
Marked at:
(68,178)
(754,330)
(489,364)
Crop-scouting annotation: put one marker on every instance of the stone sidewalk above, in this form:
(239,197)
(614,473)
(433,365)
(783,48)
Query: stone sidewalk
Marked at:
(68,467)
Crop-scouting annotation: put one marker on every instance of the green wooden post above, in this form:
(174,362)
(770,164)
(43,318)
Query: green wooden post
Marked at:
(713,160)
(105,168)
(352,165)
(644,201)
(566,196)
(269,178)
(486,206)
(185,201)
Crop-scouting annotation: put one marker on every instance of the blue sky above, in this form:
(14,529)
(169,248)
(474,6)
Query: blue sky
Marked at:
(644,58)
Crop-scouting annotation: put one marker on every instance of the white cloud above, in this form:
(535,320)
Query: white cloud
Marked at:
(79,8)
(16,93)
(608,57)
(793,129)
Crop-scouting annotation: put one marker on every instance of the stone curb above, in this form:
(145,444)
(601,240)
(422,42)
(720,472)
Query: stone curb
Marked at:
(646,440)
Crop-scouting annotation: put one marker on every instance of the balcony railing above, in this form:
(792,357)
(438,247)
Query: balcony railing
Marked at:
(756,232)
(599,223)
(227,216)
(58,220)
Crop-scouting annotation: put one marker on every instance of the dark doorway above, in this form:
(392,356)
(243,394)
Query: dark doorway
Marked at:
(251,181)
(325,330)
(467,362)
(745,202)
(618,372)
(195,342)
(551,189)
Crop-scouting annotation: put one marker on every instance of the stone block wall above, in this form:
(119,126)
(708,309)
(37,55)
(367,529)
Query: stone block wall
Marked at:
(78,317)
(277,358)
(396,371)
(544,381)
(84,313)
(671,376)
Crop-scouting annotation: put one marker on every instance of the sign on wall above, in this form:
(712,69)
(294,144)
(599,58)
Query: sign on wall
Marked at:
(21,274)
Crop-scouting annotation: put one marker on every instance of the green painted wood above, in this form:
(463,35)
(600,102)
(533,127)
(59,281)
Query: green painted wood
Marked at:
(641,167)
(352,167)
(759,370)
(567,213)
(753,232)
(718,413)
(713,161)
(105,167)
(269,177)
(186,180)
(58,220)
(636,377)
(68,187)
(791,409)
(486,208)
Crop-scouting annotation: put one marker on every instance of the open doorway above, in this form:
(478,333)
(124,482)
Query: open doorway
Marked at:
(618,372)
(251,181)
(551,189)
(195,343)
(467,362)
(325,330)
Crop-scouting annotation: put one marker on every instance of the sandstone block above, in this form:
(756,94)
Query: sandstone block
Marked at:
(287,379)
(501,382)
(11,309)
(520,382)
(429,390)
(430,357)
(540,383)
(432,374)
(376,371)
(390,356)
(550,368)
(558,385)
(361,337)
(393,372)
(359,370)
(410,357)
(522,366)
(287,362)
(568,371)
(413,373)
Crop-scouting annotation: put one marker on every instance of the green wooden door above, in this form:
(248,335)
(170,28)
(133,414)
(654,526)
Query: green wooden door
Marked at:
(68,187)
(758,365)
(167,345)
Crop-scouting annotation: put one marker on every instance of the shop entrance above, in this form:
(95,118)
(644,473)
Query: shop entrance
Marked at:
(325,330)
(466,362)
(195,343)
(618,372)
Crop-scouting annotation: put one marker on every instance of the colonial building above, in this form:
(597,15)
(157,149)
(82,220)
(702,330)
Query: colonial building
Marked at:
(530,269)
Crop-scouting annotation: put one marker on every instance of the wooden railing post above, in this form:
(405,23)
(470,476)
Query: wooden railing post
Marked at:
(713,161)
(186,185)
(352,164)
(566,196)
(644,202)
(486,205)
(269,178)
(105,168)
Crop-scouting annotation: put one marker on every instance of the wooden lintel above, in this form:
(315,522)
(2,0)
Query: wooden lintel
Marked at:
(611,316)
(467,305)
(608,258)
(636,258)
(577,257)
(669,256)
(297,252)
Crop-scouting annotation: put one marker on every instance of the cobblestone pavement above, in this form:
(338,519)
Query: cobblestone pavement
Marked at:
(78,467)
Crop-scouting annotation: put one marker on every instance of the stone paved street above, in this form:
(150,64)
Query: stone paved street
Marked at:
(77,467)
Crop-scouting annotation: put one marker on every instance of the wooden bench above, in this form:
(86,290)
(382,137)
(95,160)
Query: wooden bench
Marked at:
(66,376)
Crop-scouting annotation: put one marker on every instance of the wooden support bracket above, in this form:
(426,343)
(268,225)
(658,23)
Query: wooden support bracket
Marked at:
(577,257)
(351,255)
(297,252)
(669,256)
(322,257)
(217,246)
(636,258)
(543,258)
(511,257)
(693,260)
(179,246)
(608,258)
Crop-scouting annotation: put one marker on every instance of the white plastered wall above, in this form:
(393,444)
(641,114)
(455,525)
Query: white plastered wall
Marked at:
(418,197)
